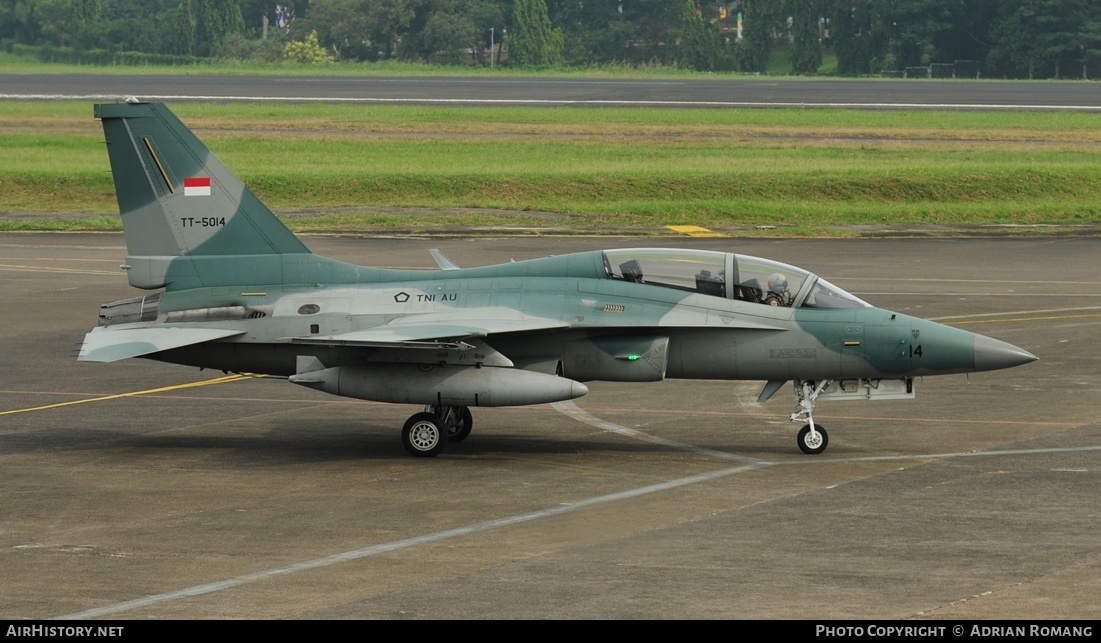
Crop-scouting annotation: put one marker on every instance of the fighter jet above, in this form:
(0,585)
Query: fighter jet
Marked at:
(238,292)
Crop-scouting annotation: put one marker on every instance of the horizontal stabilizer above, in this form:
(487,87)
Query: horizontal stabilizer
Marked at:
(442,261)
(111,343)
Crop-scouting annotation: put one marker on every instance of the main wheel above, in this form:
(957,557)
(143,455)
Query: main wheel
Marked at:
(423,436)
(813,445)
(464,422)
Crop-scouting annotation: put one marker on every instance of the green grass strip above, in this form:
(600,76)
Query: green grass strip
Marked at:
(356,167)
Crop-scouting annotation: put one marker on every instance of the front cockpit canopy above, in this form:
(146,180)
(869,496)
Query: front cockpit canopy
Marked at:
(723,274)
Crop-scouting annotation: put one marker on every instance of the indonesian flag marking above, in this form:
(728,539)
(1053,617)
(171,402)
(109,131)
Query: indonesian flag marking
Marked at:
(197,186)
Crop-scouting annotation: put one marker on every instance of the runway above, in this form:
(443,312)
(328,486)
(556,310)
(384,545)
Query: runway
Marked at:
(717,92)
(139,490)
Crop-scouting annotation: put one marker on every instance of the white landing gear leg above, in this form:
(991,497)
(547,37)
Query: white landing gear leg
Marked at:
(812,439)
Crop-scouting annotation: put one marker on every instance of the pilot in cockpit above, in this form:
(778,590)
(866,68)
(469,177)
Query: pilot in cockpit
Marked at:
(778,293)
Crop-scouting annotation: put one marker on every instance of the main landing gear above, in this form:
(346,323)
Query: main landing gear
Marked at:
(812,438)
(426,434)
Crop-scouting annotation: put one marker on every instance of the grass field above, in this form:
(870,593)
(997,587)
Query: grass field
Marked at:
(789,171)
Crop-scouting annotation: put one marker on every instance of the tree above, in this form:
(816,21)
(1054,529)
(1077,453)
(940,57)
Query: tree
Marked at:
(116,25)
(860,31)
(533,41)
(362,29)
(18,21)
(1047,38)
(449,34)
(806,54)
(592,31)
(458,31)
(58,21)
(179,39)
(213,19)
(392,18)
(761,18)
(619,31)
(253,12)
(699,41)
(942,31)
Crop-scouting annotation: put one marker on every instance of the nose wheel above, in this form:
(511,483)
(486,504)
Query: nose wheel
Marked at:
(812,438)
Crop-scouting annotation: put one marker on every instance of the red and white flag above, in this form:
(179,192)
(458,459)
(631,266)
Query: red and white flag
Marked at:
(197,186)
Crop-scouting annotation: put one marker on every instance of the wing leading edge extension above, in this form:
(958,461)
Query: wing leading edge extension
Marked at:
(111,344)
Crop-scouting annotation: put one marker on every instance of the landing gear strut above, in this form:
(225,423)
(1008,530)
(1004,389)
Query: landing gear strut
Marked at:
(426,434)
(456,419)
(812,439)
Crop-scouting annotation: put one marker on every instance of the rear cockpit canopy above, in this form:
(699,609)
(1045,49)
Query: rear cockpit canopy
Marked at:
(723,274)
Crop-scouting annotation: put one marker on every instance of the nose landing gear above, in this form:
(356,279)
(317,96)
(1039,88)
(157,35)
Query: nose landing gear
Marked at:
(812,438)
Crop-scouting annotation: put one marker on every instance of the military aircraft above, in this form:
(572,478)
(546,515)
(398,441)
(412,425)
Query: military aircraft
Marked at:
(240,293)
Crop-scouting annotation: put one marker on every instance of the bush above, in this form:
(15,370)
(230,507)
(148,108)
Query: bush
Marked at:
(308,51)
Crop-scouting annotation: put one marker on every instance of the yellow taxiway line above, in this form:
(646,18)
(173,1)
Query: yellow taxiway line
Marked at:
(152,391)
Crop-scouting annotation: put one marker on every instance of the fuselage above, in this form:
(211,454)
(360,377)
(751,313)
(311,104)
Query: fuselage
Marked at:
(695,324)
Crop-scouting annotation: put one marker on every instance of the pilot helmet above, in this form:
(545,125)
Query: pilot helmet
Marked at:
(777,283)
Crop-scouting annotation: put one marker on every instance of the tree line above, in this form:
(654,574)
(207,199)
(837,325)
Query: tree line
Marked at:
(990,38)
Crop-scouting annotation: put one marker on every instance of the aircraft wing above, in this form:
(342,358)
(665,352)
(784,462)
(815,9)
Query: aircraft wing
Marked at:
(425,331)
(456,341)
(111,343)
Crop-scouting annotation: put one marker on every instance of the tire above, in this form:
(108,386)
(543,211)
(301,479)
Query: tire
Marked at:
(423,436)
(819,446)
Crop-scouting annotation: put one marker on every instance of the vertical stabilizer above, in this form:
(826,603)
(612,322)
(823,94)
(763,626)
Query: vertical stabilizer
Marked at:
(188,220)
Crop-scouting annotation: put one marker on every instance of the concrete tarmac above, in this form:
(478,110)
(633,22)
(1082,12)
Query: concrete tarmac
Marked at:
(140,490)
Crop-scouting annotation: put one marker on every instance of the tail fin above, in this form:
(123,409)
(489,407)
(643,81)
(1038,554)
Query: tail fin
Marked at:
(188,221)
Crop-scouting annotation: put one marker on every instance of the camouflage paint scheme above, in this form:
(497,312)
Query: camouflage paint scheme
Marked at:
(239,292)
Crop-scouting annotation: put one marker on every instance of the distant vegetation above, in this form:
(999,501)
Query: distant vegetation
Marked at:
(922,38)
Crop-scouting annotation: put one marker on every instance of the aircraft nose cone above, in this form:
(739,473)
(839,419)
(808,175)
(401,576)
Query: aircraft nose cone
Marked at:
(992,354)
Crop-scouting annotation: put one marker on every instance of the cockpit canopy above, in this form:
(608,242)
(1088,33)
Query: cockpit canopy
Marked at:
(723,274)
